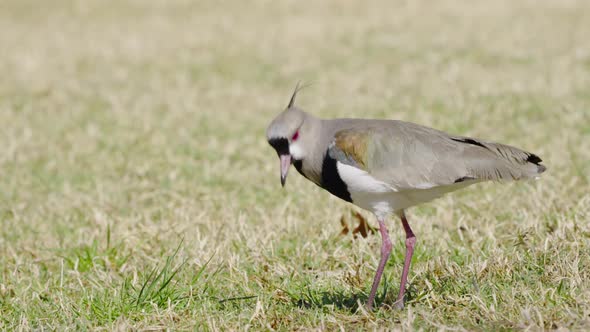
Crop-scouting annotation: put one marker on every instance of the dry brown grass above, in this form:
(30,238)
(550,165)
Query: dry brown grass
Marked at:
(128,126)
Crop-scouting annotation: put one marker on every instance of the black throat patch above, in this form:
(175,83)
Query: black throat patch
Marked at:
(331,180)
(299,167)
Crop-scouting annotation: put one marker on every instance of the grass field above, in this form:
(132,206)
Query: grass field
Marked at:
(137,190)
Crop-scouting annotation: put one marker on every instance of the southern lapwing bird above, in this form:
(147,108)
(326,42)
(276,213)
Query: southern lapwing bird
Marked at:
(387,166)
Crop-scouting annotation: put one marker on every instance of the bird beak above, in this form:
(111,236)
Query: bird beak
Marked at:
(285,164)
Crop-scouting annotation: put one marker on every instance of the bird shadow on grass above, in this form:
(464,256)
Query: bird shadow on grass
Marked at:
(343,299)
(339,299)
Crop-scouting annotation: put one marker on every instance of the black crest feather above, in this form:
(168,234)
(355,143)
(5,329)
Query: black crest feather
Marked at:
(298,88)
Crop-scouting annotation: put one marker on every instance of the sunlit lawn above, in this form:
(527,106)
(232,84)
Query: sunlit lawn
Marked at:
(137,190)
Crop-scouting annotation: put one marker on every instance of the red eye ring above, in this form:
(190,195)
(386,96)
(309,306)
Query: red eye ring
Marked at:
(295,136)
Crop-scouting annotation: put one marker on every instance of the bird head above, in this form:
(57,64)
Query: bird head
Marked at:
(286,134)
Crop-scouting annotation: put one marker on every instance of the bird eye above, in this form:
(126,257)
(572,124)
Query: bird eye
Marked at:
(295,136)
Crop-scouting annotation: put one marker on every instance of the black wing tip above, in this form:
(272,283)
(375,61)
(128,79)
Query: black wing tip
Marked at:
(534,159)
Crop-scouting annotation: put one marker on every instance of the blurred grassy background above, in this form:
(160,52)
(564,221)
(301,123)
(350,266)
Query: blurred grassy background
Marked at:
(132,137)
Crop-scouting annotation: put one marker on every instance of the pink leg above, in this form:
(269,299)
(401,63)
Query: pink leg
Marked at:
(385,251)
(410,241)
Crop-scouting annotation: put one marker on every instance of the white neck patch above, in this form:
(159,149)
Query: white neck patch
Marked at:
(296,150)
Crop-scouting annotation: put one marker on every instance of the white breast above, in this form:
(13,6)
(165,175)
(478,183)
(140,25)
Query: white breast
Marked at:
(383,199)
(366,191)
(358,180)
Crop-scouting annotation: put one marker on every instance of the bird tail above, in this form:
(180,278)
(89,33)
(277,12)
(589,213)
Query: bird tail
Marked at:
(529,163)
(503,163)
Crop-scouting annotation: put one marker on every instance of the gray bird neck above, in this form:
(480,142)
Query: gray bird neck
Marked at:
(316,141)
